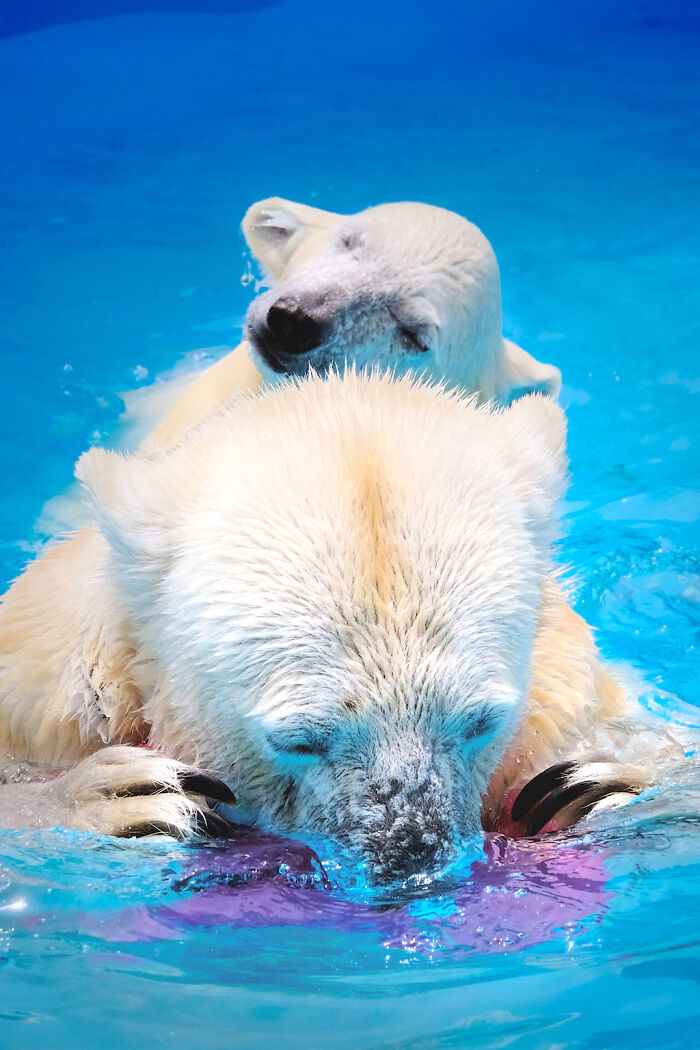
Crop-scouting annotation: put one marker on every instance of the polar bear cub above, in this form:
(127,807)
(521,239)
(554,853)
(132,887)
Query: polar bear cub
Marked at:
(337,597)
(406,287)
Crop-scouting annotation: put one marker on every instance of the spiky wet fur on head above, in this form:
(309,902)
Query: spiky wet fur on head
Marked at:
(336,586)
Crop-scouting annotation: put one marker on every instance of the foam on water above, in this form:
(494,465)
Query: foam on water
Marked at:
(567,131)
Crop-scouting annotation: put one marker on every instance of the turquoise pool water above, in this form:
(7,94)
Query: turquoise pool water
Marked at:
(568,131)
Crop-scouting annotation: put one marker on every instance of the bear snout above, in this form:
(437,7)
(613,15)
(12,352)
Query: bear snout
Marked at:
(410,830)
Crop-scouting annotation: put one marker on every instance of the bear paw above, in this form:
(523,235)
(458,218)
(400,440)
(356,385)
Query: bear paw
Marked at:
(571,790)
(129,791)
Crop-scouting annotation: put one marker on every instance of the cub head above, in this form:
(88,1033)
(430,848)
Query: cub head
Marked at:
(335,588)
(407,287)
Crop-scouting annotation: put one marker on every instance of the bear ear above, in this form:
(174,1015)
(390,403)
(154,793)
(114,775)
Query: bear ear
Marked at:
(535,442)
(522,374)
(275,228)
(131,497)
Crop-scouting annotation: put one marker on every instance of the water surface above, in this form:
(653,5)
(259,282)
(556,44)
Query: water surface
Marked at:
(568,132)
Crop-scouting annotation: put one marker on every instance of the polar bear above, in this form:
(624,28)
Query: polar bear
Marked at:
(403,286)
(334,600)
(408,287)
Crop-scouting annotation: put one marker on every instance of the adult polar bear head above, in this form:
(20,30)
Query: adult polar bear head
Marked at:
(334,588)
(403,286)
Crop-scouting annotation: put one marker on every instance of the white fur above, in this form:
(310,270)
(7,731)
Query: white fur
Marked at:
(338,596)
(387,270)
(96,795)
(362,542)
(369,279)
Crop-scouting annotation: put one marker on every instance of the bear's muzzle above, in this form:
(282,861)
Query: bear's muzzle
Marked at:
(409,829)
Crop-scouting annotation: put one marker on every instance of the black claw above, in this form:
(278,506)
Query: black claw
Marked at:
(554,802)
(134,790)
(536,789)
(202,784)
(602,791)
(150,827)
(216,827)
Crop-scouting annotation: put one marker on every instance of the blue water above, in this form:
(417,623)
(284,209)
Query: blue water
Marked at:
(569,133)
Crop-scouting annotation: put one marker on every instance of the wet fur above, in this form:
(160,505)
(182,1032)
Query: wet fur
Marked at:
(338,597)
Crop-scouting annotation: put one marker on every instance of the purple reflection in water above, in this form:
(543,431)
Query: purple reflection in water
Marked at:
(522,892)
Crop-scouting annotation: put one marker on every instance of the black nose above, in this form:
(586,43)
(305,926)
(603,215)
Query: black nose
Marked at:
(293,329)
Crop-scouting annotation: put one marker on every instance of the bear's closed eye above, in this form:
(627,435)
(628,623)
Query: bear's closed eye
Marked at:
(412,340)
(481,726)
(311,745)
